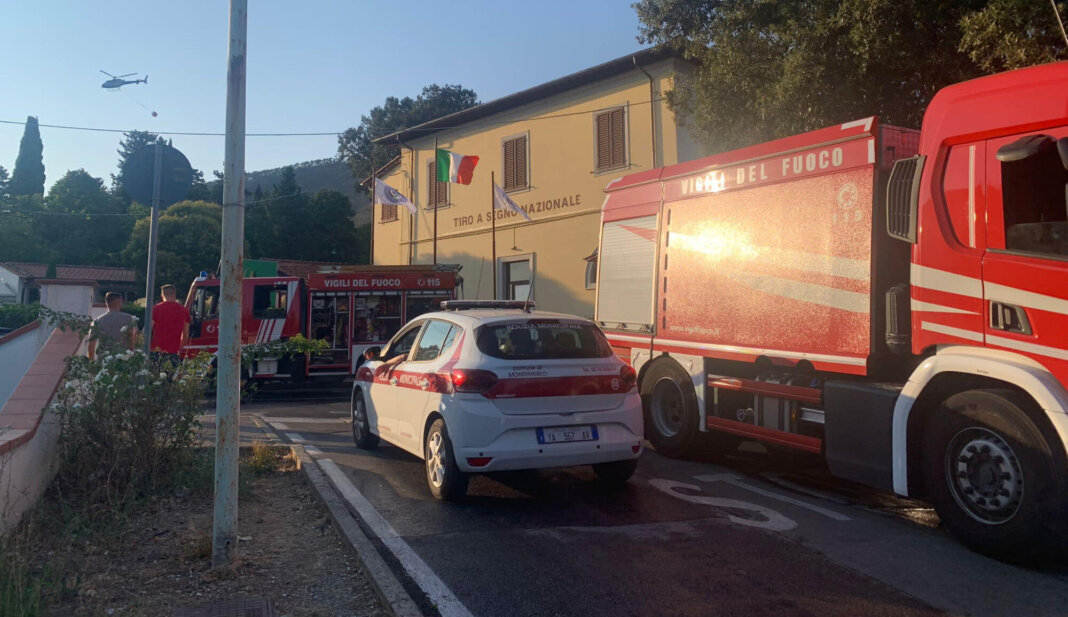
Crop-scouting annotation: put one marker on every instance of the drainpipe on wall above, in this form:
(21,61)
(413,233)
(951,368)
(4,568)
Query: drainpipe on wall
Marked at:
(652,110)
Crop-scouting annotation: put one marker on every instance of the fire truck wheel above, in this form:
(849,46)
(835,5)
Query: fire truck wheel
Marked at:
(670,405)
(361,426)
(994,479)
(444,478)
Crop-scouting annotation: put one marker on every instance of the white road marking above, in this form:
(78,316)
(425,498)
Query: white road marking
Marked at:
(295,438)
(776,521)
(438,592)
(312,450)
(734,480)
(278,426)
(301,420)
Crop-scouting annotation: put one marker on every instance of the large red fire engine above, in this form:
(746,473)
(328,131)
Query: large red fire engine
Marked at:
(894,300)
(352,308)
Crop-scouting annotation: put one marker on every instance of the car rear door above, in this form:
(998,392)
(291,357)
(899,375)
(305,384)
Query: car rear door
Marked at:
(550,366)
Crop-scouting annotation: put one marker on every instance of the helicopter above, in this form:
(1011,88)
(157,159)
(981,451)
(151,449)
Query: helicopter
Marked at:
(118,81)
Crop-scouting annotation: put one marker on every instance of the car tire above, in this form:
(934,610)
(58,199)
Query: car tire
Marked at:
(443,477)
(994,479)
(616,473)
(361,425)
(669,402)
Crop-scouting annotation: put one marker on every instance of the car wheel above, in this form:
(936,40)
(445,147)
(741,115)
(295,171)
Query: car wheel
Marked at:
(993,478)
(670,405)
(616,473)
(361,426)
(444,478)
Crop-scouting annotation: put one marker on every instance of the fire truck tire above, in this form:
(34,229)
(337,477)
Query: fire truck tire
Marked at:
(670,404)
(443,477)
(361,426)
(994,479)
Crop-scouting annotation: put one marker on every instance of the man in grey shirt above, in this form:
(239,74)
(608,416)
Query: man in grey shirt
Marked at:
(114,330)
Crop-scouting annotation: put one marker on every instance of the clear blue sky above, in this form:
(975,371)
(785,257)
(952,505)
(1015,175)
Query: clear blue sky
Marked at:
(312,66)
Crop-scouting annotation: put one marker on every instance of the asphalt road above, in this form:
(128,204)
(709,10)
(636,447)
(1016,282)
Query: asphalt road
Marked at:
(753,533)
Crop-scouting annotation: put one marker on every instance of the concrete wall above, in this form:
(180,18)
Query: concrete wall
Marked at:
(17,352)
(71,298)
(565,190)
(28,430)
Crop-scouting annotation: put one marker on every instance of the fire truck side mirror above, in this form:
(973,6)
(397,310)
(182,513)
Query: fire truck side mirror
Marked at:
(372,354)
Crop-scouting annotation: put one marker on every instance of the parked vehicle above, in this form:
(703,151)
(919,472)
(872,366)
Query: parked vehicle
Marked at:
(354,308)
(493,386)
(909,325)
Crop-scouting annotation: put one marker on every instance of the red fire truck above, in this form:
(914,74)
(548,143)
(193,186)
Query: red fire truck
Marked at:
(352,308)
(894,300)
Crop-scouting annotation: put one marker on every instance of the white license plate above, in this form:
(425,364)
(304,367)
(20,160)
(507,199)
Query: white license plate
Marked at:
(564,434)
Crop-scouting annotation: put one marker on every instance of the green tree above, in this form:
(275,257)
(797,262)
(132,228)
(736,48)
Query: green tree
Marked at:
(768,69)
(19,240)
(28,177)
(3,184)
(132,141)
(355,145)
(189,241)
(327,232)
(82,221)
(1010,34)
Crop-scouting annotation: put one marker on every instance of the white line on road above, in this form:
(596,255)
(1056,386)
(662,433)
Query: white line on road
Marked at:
(278,426)
(295,437)
(734,480)
(298,420)
(436,589)
(312,450)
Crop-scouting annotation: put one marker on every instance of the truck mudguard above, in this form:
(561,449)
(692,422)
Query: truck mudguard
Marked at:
(1011,368)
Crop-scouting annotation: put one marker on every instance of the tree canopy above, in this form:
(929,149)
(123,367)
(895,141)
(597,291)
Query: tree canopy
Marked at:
(768,69)
(355,144)
(28,177)
(82,222)
(189,241)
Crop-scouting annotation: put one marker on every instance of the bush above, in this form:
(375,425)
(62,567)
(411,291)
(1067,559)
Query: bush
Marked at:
(128,427)
(17,315)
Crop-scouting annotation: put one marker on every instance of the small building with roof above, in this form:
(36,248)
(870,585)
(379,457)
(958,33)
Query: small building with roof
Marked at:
(20,282)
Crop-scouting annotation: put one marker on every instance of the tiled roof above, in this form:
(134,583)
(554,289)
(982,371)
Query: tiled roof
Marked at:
(91,273)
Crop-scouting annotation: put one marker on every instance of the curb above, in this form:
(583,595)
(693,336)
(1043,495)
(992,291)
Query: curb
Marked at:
(385,583)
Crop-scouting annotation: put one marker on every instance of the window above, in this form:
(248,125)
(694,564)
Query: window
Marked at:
(611,139)
(403,344)
(389,212)
(437,192)
(515,163)
(517,278)
(269,301)
(591,270)
(206,303)
(437,337)
(542,339)
(1033,181)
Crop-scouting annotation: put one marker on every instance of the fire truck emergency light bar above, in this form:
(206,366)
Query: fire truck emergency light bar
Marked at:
(467,305)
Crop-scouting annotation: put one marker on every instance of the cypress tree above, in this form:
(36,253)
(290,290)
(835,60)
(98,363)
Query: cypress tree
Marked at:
(28,177)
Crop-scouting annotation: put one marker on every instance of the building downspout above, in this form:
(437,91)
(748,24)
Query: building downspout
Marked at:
(652,110)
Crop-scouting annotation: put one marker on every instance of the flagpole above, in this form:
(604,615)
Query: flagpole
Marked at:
(493,220)
(374,178)
(436,172)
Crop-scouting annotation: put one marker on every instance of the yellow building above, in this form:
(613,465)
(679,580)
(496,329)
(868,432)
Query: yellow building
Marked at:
(553,148)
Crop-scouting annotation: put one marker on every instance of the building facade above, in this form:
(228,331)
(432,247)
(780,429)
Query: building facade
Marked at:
(20,282)
(553,148)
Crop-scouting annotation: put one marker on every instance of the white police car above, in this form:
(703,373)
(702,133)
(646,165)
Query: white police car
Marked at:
(491,386)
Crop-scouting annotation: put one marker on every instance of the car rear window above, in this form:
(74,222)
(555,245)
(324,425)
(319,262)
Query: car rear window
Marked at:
(543,339)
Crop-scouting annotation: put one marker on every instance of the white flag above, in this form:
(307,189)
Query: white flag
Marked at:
(386,194)
(501,201)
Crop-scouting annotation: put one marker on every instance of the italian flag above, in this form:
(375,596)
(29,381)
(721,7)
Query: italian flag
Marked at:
(453,167)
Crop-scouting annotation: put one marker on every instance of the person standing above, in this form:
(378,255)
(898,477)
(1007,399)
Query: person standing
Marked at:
(170,324)
(114,330)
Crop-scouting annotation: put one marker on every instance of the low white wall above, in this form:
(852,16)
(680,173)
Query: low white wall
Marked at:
(26,471)
(16,356)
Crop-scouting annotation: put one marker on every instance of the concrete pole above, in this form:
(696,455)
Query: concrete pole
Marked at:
(153,239)
(228,397)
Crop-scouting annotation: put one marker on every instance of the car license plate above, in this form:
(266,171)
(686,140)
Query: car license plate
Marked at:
(564,434)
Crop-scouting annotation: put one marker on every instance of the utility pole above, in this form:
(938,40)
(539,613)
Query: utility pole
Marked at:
(228,397)
(153,240)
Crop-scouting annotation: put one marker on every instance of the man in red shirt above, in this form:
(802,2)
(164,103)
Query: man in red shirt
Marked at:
(170,323)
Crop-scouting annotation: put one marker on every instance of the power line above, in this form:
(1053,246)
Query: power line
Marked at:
(6,210)
(309,134)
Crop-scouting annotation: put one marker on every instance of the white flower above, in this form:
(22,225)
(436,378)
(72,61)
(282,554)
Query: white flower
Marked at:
(142,373)
(163,375)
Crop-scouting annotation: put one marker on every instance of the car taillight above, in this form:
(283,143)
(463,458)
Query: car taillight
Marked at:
(472,380)
(628,376)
